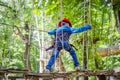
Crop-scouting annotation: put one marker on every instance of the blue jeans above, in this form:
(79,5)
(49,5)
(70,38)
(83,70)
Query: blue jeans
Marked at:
(55,54)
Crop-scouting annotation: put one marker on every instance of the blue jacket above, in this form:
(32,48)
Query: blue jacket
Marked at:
(63,33)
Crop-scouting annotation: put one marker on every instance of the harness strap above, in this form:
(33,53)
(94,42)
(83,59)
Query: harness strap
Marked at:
(49,48)
(73,46)
(52,46)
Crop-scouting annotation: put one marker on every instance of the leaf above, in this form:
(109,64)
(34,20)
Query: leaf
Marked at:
(36,11)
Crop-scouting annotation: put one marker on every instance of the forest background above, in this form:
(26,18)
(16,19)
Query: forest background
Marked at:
(24,25)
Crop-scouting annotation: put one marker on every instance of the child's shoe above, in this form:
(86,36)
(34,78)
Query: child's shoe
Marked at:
(46,71)
(77,68)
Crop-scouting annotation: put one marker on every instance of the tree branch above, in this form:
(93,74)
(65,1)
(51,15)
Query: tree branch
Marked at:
(4,4)
(111,50)
(5,24)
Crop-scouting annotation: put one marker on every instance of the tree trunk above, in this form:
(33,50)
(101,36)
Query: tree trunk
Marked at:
(110,50)
(27,50)
(116,8)
(85,45)
(85,60)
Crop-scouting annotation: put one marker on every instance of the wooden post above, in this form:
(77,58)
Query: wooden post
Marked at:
(27,50)
(77,78)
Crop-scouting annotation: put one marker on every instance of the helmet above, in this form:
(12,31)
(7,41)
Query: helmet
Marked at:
(64,20)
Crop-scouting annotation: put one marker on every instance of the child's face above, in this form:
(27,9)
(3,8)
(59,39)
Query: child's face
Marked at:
(64,24)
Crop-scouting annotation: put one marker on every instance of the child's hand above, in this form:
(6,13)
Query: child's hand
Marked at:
(89,26)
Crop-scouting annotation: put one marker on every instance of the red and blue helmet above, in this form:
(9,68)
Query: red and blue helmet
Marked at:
(64,20)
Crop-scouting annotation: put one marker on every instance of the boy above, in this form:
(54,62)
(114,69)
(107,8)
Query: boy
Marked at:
(61,41)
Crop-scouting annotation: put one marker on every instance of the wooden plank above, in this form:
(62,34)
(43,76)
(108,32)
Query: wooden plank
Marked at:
(66,75)
(47,75)
(11,70)
(15,77)
(2,71)
(110,50)
(72,74)
(17,71)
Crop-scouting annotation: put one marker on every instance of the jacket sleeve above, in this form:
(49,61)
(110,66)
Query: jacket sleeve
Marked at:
(52,32)
(81,29)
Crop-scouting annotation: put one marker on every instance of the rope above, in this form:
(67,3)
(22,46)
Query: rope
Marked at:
(42,42)
(102,24)
(110,25)
(57,37)
(61,11)
(84,38)
(91,33)
(36,29)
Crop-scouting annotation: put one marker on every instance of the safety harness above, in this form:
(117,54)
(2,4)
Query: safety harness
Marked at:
(52,46)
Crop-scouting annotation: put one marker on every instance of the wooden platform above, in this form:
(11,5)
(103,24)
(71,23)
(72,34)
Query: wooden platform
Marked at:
(73,74)
(5,72)
(66,75)
(11,70)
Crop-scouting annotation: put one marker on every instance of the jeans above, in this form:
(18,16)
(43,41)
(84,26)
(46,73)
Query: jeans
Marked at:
(55,54)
